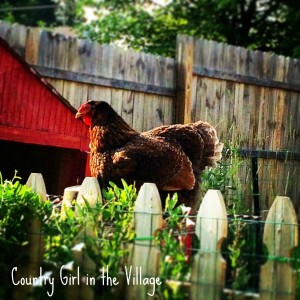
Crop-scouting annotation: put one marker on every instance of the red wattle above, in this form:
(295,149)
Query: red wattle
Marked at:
(87,120)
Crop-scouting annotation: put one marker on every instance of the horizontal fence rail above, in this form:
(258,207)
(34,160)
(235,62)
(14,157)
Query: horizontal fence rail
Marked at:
(269,154)
(104,81)
(246,79)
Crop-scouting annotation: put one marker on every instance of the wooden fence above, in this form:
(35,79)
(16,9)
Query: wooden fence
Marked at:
(207,279)
(252,97)
(139,86)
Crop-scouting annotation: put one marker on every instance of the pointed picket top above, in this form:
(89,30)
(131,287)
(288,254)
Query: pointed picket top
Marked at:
(70,194)
(37,183)
(281,223)
(280,237)
(148,199)
(148,211)
(145,256)
(33,252)
(90,191)
(209,267)
(211,220)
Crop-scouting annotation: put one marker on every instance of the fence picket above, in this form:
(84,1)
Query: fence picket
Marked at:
(34,252)
(35,238)
(145,257)
(91,193)
(277,278)
(37,183)
(70,194)
(208,269)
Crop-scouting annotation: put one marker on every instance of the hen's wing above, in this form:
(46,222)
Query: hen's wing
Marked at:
(198,140)
(153,159)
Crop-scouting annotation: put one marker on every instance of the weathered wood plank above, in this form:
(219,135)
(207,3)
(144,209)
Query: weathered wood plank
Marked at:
(31,48)
(138,106)
(184,59)
(33,253)
(280,237)
(90,192)
(4,27)
(16,37)
(208,268)
(103,81)
(145,256)
(270,154)
(217,74)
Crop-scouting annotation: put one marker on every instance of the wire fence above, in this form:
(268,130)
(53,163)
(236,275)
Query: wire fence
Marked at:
(102,248)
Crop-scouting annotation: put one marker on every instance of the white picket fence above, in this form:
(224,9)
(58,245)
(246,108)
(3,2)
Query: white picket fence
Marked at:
(277,278)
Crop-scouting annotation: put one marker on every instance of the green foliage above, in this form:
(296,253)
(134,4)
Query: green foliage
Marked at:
(18,206)
(67,13)
(224,177)
(42,13)
(238,263)
(295,263)
(111,225)
(115,227)
(59,237)
(265,25)
(109,228)
(27,16)
(150,27)
(174,267)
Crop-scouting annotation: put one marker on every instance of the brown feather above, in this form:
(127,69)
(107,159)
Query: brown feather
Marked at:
(171,156)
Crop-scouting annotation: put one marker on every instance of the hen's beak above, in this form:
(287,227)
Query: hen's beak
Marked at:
(78,115)
(83,110)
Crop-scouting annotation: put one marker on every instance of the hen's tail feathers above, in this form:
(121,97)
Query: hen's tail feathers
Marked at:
(212,151)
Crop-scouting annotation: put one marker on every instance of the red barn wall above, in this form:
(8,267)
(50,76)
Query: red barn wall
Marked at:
(38,129)
(31,112)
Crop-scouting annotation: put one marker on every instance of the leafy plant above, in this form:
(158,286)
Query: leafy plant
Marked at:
(152,26)
(239,272)
(115,227)
(224,177)
(19,205)
(174,266)
(295,263)
(99,233)
(59,237)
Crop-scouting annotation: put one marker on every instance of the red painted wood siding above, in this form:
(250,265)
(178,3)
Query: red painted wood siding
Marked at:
(31,112)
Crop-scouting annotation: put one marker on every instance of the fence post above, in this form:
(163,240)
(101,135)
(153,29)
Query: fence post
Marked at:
(90,191)
(145,257)
(37,183)
(208,268)
(277,278)
(70,194)
(184,78)
(32,45)
(35,241)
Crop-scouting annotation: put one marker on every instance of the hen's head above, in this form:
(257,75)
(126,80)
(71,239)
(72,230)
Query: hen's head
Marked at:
(96,112)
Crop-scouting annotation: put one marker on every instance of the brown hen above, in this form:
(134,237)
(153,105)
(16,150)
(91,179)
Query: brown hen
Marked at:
(171,156)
